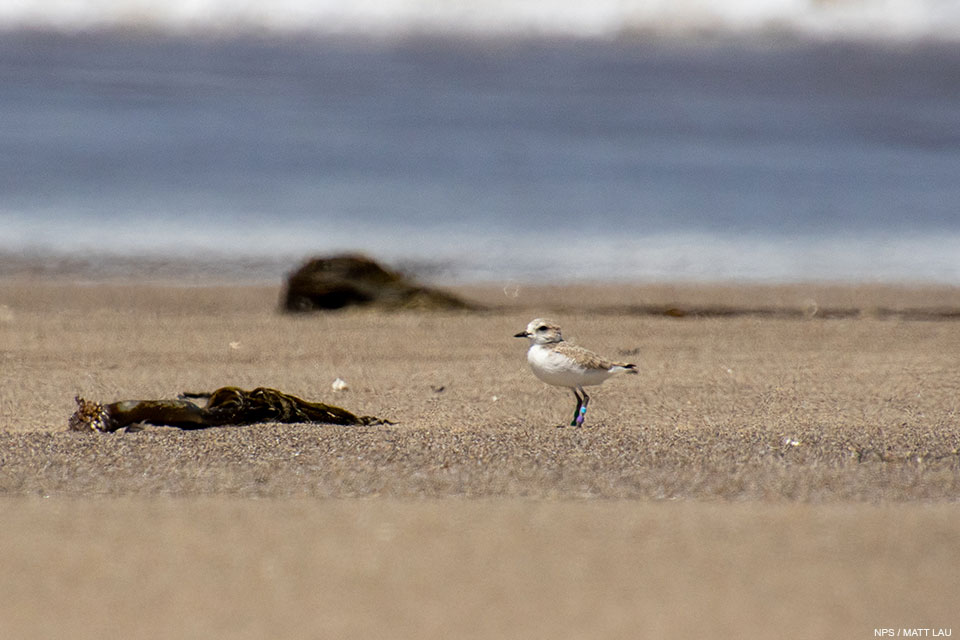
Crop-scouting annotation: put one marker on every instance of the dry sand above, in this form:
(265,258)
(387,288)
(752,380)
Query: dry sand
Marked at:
(787,464)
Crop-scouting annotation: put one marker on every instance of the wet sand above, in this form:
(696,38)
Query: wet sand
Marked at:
(785,464)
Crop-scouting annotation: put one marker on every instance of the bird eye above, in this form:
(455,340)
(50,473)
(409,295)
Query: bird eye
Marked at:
(542,327)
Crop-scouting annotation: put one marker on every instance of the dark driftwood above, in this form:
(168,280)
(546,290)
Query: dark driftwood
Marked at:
(227,406)
(335,282)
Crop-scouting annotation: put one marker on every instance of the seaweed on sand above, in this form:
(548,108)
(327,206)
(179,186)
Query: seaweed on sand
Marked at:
(227,406)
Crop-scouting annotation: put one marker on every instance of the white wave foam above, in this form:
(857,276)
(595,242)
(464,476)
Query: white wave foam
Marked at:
(895,20)
(701,257)
(264,250)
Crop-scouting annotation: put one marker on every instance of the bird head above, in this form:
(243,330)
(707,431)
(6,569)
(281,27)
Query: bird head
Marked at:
(541,331)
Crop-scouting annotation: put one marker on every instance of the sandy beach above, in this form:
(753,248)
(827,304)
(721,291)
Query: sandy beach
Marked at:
(786,464)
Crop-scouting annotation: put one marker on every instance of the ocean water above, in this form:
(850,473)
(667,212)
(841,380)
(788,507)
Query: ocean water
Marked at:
(760,141)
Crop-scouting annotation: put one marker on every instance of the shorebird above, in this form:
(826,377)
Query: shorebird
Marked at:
(566,365)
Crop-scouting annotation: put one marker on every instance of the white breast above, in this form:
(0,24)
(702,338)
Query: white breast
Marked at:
(559,370)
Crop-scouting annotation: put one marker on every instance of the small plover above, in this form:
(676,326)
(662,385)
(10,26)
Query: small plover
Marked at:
(566,365)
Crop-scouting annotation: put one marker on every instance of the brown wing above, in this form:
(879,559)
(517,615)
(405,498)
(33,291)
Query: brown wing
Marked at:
(585,357)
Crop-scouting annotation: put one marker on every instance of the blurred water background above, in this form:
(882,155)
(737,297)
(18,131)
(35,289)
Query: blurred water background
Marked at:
(760,140)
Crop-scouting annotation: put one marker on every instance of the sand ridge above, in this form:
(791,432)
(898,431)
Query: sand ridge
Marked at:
(743,407)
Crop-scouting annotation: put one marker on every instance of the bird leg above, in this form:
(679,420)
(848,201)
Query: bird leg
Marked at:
(576,412)
(581,410)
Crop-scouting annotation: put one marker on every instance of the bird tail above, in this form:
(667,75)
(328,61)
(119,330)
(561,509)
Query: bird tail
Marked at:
(627,368)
